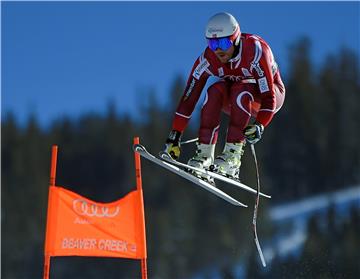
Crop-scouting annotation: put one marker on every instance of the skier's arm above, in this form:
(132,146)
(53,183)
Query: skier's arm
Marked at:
(195,84)
(265,80)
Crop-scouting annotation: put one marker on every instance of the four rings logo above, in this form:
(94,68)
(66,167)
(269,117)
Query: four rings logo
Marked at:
(85,208)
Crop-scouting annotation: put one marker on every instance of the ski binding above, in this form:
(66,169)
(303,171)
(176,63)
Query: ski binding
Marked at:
(166,156)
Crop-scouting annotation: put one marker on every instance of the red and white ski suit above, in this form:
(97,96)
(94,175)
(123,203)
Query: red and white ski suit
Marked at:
(248,85)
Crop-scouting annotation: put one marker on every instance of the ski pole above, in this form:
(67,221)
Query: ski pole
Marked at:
(257,206)
(188,141)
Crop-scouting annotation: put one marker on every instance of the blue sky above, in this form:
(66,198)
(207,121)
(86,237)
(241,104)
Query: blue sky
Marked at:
(69,58)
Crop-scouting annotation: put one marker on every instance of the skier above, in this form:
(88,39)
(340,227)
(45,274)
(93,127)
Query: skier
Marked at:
(248,85)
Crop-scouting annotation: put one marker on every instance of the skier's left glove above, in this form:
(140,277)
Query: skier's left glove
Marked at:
(172,144)
(253,133)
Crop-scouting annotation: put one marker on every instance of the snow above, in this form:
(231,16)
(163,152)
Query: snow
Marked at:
(295,215)
(313,204)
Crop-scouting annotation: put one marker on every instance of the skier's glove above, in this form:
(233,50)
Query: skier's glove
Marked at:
(172,145)
(253,133)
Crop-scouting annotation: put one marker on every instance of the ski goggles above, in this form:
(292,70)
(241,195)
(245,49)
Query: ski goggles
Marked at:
(222,43)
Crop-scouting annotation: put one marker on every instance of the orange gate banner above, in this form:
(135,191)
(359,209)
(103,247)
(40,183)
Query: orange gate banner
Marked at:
(77,226)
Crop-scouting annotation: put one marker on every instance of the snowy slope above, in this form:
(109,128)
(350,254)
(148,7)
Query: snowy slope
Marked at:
(291,219)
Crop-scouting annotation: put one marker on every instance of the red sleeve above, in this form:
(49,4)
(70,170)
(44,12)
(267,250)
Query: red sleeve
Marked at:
(195,84)
(264,68)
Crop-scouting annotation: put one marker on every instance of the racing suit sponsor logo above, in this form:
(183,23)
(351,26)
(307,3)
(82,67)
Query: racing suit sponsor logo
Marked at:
(274,68)
(257,68)
(241,79)
(263,85)
(215,30)
(246,72)
(257,56)
(172,135)
(201,68)
(233,78)
(221,71)
(191,87)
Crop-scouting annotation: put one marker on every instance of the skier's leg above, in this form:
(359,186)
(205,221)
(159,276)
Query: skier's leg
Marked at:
(215,97)
(228,163)
(209,126)
(241,98)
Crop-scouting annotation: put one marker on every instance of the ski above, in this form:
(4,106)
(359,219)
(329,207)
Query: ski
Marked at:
(166,156)
(205,185)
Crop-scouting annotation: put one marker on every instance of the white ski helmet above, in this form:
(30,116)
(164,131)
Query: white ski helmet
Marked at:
(223,25)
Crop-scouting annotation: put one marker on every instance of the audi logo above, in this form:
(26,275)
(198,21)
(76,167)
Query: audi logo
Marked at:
(85,208)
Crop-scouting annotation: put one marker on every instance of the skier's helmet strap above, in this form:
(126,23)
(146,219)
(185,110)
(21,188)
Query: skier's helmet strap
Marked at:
(223,25)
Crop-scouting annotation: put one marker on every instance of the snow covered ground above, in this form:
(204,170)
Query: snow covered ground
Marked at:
(291,219)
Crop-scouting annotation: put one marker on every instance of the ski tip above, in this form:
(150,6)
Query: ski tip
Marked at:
(164,155)
(237,203)
(138,147)
(265,196)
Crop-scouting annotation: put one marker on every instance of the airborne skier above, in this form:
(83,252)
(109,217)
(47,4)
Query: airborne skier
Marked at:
(248,84)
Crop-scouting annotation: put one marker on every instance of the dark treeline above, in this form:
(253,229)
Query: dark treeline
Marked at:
(312,146)
(330,251)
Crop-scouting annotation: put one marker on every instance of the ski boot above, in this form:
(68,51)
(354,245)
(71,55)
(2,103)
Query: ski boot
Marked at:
(228,163)
(203,159)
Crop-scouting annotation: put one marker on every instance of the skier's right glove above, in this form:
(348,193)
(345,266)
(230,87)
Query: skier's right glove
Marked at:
(253,133)
(172,145)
